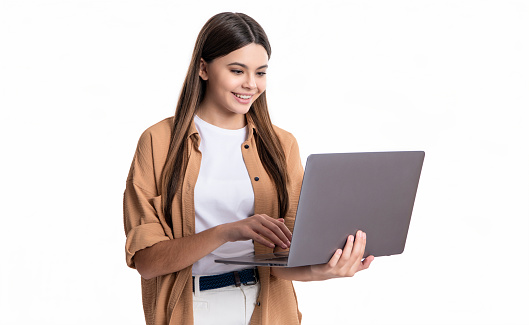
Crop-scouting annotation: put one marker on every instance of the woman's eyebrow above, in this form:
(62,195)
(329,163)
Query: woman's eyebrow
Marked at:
(246,67)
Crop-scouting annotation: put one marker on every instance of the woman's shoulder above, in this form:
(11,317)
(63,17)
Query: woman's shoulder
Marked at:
(158,133)
(291,150)
(160,128)
(154,142)
(286,138)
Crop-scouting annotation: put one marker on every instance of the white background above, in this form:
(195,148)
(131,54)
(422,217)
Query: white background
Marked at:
(80,81)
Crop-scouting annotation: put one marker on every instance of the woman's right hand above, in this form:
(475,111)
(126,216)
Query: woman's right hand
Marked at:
(261,228)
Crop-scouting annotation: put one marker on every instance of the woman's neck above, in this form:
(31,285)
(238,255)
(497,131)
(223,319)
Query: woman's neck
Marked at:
(221,118)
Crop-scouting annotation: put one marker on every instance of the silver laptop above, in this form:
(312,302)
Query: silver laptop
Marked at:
(344,192)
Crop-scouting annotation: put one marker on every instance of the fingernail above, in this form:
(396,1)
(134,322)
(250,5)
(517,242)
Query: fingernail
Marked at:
(351,237)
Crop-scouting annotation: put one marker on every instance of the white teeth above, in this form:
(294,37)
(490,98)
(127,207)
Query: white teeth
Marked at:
(243,96)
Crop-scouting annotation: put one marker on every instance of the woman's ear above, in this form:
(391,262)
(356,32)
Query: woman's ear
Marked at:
(203,70)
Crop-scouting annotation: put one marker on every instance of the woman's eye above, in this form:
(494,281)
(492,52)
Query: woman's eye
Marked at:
(261,73)
(236,71)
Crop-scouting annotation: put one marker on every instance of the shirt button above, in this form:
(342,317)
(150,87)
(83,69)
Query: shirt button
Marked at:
(246,146)
(256,178)
(258,303)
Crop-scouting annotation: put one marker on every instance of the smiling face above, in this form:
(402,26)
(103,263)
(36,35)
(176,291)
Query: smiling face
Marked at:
(233,83)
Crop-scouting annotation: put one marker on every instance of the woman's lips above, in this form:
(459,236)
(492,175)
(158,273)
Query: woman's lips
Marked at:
(246,100)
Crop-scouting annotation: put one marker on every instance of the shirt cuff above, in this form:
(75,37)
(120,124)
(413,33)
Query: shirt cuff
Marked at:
(141,237)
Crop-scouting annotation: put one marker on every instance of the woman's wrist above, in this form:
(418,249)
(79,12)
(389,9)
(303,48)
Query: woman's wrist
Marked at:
(300,273)
(221,233)
(317,273)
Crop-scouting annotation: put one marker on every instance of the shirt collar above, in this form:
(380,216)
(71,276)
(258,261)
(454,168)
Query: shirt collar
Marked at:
(249,123)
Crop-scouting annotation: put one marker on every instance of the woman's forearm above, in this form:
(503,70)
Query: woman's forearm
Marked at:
(176,254)
(300,273)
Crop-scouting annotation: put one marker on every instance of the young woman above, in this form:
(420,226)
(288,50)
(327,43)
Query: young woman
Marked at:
(219,180)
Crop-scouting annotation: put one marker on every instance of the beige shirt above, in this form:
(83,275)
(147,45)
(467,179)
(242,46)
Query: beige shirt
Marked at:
(168,299)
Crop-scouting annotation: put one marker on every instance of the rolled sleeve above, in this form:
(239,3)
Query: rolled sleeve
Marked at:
(143,226)
(141,237)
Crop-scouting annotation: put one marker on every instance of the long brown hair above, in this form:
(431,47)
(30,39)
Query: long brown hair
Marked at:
(221,35)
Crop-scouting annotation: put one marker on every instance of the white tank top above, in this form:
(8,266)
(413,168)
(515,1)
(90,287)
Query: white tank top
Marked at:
(223,192)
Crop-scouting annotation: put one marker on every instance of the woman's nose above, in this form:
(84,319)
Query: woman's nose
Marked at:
(250,82)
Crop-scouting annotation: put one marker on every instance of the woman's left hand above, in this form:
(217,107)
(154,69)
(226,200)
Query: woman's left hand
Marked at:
(346,262)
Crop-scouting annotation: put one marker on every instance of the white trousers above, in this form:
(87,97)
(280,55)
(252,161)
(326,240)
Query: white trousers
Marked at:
(229,305)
